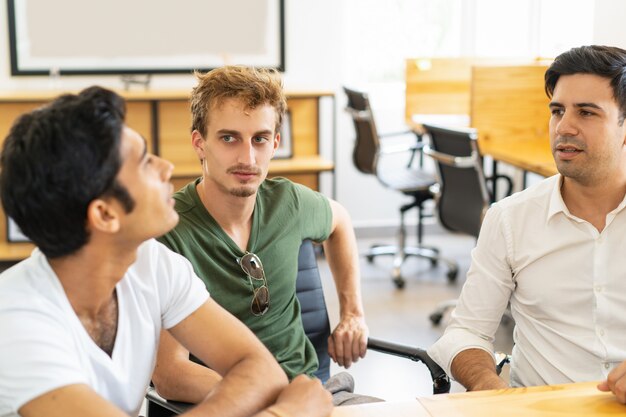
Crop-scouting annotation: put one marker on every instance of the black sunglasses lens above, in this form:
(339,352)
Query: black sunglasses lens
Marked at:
(252,266)
(261,301)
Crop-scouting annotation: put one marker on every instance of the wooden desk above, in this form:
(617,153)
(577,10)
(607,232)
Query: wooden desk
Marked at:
(164,119)
(504,98)
(509,109)
(569,400)
(385,409)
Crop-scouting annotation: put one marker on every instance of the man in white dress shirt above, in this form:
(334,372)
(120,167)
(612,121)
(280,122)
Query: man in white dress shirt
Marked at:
(80,318)
(555,250)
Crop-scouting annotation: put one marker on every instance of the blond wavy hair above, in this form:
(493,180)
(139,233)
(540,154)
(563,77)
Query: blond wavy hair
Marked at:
(253,86)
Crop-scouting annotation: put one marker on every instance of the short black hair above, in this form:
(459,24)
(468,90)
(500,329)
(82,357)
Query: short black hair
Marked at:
(605,61)
(56,160)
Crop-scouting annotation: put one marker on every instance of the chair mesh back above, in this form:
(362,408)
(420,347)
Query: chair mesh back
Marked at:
(367,144)
(314,314)
(463,196)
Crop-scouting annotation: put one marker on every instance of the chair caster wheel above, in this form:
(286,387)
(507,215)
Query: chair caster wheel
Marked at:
(399,283)
(452,275)
(435,318)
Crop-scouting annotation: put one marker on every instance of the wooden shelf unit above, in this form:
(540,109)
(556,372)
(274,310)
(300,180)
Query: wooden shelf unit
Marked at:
(164,119)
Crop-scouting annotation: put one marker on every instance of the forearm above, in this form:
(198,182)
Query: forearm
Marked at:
(177,378)
(188,382)
(238,394)
(475,369)
(343,259)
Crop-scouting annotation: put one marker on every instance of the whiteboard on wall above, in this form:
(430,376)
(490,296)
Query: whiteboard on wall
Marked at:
(143,36)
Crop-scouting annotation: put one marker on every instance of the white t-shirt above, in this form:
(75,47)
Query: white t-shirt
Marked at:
(566,283)
(44,346)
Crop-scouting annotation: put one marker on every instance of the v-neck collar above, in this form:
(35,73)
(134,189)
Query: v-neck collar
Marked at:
(213,227)
(67,306)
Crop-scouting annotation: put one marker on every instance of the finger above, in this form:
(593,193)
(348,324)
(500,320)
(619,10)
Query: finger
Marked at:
(620,390)
(356,347)
(339,349)
(331,348)
(604,386)
(363,343)
(347,350)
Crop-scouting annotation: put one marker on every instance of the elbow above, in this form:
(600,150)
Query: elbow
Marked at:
(165,383)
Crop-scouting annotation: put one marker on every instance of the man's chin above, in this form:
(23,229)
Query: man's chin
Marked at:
(243,191)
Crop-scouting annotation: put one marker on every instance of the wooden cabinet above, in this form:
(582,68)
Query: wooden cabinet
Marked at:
(164,119)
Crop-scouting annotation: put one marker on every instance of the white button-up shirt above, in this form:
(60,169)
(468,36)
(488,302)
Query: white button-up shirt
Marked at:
(566,284)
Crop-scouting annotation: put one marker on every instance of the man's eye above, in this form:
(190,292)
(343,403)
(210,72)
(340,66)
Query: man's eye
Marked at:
(260,139)
(228,138)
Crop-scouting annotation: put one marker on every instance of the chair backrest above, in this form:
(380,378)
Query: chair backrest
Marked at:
(313,306)
(366,147)
(463,198)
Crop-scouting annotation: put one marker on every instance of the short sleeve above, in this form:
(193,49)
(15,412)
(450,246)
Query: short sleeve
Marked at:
(316,215)
(181,292)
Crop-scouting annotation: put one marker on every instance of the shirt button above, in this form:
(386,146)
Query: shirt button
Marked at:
(601,333)
(598,288)
(607,366)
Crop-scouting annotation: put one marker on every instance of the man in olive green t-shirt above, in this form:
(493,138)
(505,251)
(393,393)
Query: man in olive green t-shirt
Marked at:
(233,222)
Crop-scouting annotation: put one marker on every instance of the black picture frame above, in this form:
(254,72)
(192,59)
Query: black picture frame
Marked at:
(73,37)
(14,234)
(285,146)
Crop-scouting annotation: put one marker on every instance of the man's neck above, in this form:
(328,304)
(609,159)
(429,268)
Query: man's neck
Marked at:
(232,213)
(593,202)
(89,276)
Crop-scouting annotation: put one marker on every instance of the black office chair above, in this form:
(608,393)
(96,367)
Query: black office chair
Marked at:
(317,328)
(464,195)
(407,179)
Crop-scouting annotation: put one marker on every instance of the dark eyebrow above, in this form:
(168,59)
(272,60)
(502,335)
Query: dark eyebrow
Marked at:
(228,132)
(578,105)
(236,133)
(592,105)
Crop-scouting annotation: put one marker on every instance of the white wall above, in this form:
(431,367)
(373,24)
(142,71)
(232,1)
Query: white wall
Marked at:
(317,32)
(608,26)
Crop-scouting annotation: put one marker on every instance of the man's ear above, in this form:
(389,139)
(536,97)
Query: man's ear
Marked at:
(102,215)
(197,141)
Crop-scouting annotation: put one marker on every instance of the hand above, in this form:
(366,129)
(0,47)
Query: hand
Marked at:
(304,397)
(616,383)
(348,342)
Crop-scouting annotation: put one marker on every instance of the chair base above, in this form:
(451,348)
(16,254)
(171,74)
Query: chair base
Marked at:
(425,252)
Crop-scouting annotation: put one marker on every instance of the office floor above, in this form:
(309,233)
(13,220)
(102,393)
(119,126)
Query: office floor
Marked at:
(402,316)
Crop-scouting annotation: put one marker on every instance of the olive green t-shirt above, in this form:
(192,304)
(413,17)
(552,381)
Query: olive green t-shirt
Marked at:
(285,213)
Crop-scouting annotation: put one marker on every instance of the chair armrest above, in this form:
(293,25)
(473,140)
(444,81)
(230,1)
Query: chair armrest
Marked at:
(441,381)
(506,179)
(176,407)
(401,148)
(451,160)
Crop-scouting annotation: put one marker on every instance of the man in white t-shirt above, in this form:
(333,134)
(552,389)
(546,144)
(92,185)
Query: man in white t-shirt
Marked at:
(80,319)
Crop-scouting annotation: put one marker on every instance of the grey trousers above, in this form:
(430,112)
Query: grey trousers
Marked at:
(341,386)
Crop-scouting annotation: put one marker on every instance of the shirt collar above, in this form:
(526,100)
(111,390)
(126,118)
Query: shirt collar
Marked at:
(557,205)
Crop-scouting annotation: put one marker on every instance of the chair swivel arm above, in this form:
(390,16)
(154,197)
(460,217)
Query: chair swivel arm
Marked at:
(451,160)
(441,381)
(359,115)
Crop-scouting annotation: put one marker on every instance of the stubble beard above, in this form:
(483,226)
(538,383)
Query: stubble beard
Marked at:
(242,192)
